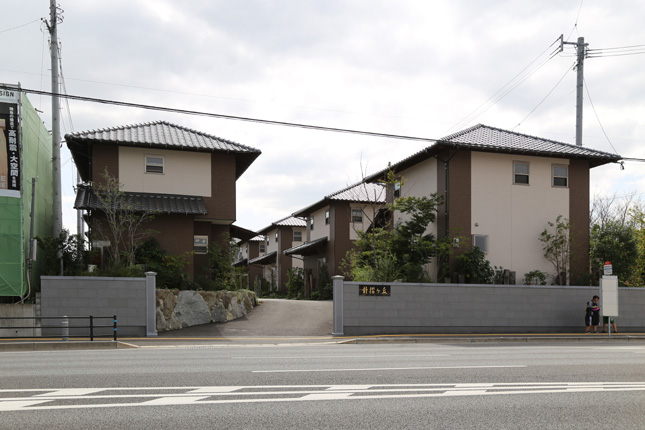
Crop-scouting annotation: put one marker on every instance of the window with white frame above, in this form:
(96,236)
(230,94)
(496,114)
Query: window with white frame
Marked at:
(276,236)
(200,244)
(311,223)
(154,164)
(560,176)
(480,241)
(297,236)
(520,173)
(357,216)
(263,248)
(397,189)
(327,217)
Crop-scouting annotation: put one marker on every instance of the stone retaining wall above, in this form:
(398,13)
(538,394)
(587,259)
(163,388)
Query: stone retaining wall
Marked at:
(179,309)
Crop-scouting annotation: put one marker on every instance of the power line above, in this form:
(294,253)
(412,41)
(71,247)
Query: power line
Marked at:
(598,118)
(222,116)
(23,25)
(545,97)
(505,89)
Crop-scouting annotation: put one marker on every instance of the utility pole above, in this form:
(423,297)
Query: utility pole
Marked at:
(581,48)
(58,207)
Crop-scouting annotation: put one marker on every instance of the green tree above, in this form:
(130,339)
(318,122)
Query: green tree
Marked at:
(616,242)
(475,268)
(295,282)
(123,223)
(556,242)
(70,248)
(401,253)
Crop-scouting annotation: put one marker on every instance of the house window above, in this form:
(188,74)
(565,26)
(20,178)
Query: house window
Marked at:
(521,173)
(311,223)
(397,190)
(154,164)
(560,176)
(263,248)
(357,215)
(297,236)
(327,216)
(480,241)
(200,244)
(276,236)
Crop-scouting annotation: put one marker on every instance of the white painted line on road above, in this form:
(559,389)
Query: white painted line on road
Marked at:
(166,401)
(385,368)
(67,392)
(15,405)
(214,390)
(300,357)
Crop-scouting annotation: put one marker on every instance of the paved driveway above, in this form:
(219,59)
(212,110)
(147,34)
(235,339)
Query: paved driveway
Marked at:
(273,317)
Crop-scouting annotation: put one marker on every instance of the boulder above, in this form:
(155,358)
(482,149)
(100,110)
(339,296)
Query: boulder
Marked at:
(191,309)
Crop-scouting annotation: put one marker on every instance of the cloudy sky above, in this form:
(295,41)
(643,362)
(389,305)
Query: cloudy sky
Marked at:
(423,68)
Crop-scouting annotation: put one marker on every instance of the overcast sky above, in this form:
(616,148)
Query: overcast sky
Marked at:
(415,68)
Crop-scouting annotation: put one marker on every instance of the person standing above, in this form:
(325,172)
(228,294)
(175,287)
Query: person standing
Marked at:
(592,314)
(610,320)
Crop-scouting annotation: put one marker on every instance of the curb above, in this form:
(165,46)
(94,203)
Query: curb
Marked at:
(62,346)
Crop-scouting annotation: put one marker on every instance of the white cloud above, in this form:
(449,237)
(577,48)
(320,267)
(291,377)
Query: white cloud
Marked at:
(406,67)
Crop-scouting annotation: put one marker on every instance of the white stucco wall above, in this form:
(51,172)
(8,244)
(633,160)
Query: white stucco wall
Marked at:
(368,217)
(185,172)
(420,180)
(320,228)
(513,216)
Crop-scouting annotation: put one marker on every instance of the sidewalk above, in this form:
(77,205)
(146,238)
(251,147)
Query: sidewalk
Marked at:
(170,341)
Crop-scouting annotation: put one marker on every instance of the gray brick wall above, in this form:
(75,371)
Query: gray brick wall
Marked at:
(84,296)
(451,308)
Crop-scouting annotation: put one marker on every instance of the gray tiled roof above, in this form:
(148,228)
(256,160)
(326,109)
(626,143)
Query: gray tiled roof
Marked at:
(265,259)
(289,221)
(362,192)
(490,139)
(307,248)
(161,134)
(87,199)
(483,137)
(359,193)
(158,134)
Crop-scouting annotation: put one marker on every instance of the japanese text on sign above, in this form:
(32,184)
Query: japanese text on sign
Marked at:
(374,290)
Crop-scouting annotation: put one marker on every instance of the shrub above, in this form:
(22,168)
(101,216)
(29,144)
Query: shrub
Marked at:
(535,277)
(295,283)
(475,268)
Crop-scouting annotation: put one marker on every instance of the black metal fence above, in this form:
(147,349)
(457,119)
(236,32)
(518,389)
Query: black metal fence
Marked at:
(79,330)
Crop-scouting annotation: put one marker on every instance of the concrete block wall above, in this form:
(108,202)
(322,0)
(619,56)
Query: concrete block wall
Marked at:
(83,296)
(459,308)
(7,326)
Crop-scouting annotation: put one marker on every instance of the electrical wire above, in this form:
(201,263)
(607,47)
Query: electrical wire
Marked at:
(616,52)
(504,90)
(20,26)
(222,116)
(597,117)
(545,97)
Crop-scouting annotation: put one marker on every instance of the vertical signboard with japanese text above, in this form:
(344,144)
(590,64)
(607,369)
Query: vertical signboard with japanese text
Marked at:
(9,144)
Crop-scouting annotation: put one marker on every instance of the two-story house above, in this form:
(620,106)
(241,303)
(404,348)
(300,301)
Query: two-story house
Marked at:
(186,177)
(279,236)
(247,250)
(500,190)
(332,226)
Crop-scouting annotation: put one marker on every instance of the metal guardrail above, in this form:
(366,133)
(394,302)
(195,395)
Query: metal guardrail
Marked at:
(65,327)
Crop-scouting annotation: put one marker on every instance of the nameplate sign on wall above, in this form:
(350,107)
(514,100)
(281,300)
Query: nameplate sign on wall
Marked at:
(374,290)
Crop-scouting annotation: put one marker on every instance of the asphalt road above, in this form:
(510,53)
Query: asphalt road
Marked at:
(381,386)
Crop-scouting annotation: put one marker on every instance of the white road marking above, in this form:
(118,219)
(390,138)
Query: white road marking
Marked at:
(371,369)
(47,399)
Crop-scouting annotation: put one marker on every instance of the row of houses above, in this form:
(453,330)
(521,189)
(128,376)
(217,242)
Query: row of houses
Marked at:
(499,189)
